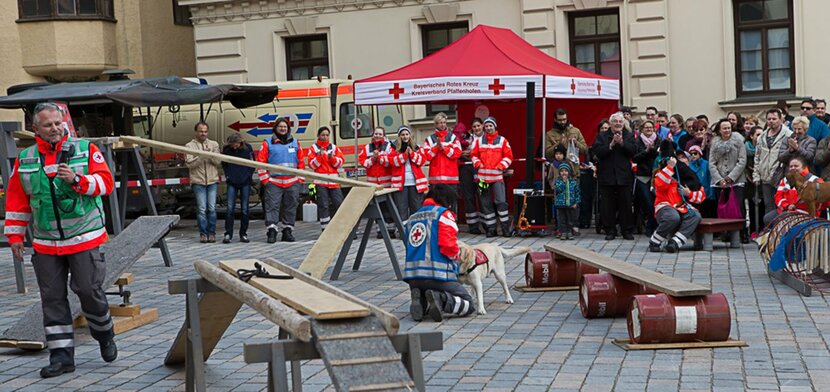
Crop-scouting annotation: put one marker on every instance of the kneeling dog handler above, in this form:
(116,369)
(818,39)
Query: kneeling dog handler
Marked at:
(432,253)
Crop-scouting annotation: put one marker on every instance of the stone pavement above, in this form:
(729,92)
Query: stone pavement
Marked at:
(539,343)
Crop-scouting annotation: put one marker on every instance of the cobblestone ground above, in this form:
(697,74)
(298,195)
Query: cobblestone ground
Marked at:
(539,343)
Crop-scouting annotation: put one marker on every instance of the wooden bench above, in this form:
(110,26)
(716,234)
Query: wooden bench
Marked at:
(704,234)
(651,279)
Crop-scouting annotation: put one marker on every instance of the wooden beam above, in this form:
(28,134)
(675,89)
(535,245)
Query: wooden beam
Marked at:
(654,280)
(273,310)
(390,321)
(326,248)
(247,162)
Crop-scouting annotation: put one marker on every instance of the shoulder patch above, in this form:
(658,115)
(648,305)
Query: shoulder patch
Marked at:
(98,157)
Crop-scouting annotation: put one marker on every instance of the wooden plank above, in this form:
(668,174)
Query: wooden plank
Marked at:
(124,279)
(351,335)
(339,229)
(124,324)
(627,345)
(713,225)
(305,298)
(309,175)
(384,387)
(125,310)
(22,344)
(216,312)
(663,283)
(390,321)
(363,361)
(526,289)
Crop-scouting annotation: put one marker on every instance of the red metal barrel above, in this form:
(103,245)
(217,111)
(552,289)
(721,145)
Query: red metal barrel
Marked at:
(605,295)
(542,270)
(659,318)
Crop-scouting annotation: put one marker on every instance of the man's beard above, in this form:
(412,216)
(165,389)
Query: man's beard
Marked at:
(561,126)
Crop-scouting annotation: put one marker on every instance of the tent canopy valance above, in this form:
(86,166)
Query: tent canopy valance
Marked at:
(486,63)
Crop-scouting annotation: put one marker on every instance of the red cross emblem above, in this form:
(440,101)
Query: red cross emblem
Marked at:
(573,87)
(417,235)
(496,87)
(396,90)
(599,88)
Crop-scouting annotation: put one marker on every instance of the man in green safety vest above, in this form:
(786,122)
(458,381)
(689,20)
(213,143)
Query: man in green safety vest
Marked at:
(57,186)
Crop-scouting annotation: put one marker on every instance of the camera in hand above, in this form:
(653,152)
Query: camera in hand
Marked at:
(67,151)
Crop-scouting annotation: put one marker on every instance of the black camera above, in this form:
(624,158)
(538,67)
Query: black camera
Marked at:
(67,151)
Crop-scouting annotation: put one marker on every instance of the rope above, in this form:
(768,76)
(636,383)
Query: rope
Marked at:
(259,272)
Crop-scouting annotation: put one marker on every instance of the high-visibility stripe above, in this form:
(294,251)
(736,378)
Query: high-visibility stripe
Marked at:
(62,343)
(58,329)
(80,239)
(21,216)
(14,230)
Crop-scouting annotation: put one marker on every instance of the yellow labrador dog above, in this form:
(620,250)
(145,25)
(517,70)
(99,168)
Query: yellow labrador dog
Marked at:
(491,258)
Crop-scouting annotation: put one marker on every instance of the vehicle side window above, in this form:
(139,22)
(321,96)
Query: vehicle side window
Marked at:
(347,112)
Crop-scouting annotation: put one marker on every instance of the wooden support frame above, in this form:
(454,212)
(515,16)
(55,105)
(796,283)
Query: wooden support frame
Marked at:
(409,345)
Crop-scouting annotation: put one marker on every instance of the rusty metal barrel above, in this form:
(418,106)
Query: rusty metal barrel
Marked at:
(606,295)
(543,269)
(660,318)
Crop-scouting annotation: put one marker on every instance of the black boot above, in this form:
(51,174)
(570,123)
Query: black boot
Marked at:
(56,369)
(434,304)
(108,350)
(744,236)
(416,306)
(272,235)
(507,231)
(491,232)
(286,235)
(474,230)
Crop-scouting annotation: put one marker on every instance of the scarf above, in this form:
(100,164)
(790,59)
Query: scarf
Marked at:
(648,141)
(750,148)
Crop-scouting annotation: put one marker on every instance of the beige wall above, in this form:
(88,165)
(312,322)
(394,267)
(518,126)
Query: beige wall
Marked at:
(143,39)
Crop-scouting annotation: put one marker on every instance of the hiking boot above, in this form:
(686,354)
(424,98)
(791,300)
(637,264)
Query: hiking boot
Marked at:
(652,247)
(56,369)
(108,350)
(226,239)
(434,305)
(244,238)
(203,238)
(287,236)
(272,235)
(672,246)
(416,308)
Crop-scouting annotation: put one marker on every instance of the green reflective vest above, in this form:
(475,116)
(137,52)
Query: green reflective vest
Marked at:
(58,212)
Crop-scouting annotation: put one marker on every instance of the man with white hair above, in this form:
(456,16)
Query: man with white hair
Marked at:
(614,151)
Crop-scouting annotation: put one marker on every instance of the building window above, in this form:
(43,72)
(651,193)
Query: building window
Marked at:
(64,9)
(435,37)
(181,14)
(764,53)
(307,56)
(595,42)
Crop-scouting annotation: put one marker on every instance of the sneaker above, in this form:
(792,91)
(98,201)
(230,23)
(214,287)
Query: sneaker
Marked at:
(434,305)
(652,247)
(416,308)
(287,236)
(226,239)
(576,232)
(672,246)
(272,235)
(212,238)
(203,238)
(244,238)
(569,236)
(108,350)
(56,369)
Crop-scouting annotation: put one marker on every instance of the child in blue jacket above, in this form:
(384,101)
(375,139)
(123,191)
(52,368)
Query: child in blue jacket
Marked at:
(567,201)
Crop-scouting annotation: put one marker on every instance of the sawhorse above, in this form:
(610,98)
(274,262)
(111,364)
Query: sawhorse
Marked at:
(374,215)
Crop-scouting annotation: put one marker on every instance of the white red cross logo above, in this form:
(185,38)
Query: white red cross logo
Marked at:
(396,90)
(417,234)
(496,87)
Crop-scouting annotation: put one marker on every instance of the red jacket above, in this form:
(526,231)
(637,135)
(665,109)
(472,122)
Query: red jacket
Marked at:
(786,195)
(377,170)
(447,232)
(325,158)
(442,150)
(491,155)
(280,181)
(19,211)
(666,193)
(398,170)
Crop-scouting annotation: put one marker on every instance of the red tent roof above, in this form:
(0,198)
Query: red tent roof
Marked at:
(485,52)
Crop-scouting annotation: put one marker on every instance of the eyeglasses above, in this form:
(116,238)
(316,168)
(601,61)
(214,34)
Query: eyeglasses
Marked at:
(806,108)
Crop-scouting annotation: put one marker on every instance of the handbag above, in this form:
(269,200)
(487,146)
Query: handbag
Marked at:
(729,207)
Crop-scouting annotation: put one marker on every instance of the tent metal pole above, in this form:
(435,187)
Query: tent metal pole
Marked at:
(530,131)
(544,139)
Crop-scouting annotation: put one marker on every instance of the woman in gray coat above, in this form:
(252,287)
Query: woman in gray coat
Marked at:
(727,161)
(799,144)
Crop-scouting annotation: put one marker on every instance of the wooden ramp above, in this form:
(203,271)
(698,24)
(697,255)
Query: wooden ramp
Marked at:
(351,335)
(654,280)
(120,253)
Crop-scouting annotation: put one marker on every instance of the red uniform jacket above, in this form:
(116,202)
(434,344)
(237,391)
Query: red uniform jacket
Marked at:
(786,195)
(447,232)
(398,170)
(491,155)
(442,150)
(325,158)
(667,194)
(377,169)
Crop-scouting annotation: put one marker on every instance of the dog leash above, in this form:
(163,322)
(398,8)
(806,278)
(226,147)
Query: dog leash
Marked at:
(245,275)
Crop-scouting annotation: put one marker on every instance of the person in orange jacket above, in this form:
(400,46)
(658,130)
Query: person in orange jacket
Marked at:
(492,155)
(56,186)
(442,150)
(325,158)
(376,158)
(282,191)
(407,176)
(786,197)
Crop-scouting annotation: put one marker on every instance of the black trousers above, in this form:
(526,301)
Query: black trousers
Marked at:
(587,188)
(615,207)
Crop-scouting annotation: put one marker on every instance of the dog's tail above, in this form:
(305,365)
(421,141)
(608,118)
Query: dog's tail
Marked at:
(513,252)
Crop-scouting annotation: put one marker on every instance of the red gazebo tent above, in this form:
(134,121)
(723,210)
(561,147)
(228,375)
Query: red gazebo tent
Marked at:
(486,72)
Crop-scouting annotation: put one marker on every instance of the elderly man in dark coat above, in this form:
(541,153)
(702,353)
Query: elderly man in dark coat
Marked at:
(615,178)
